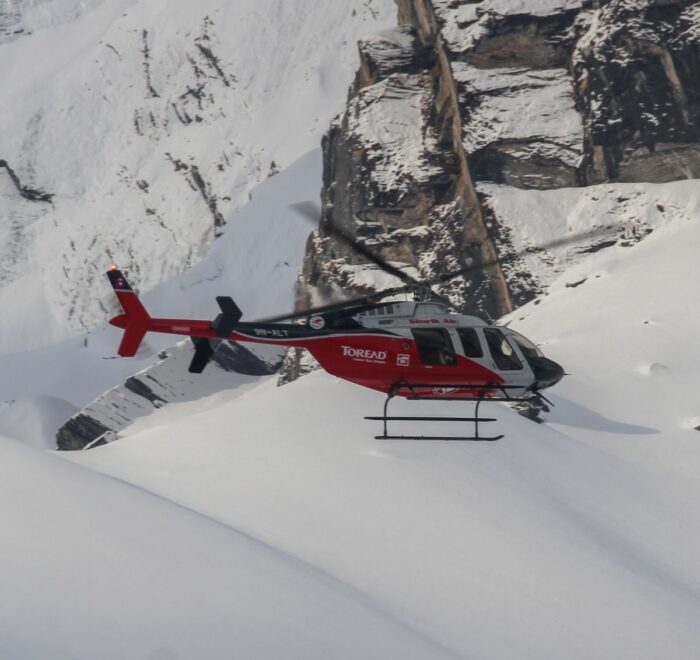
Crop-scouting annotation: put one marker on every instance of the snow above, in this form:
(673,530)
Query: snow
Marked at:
(535,107)
(461,27)
(574,538)
(94,568)
(151,122)
(34,420)
(690,17)
(622,212)
(389,50)
(266,522)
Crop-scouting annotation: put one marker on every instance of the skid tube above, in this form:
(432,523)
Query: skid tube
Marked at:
(503,396)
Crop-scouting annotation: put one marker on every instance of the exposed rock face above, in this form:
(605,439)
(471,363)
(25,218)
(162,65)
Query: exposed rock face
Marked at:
(470,98)
(540,145)
(636,67)
(165,382)
(395,175)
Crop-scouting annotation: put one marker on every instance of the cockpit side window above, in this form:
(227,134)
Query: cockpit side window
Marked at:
(435,347)
(528,348)
(501,351)
(470,342)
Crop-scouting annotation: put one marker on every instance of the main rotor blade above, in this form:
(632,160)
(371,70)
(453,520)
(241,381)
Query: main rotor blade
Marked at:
(440,279)
(560,242)
(312,212)
(320,309)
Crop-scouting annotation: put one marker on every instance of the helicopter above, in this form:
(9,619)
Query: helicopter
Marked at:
(413,349)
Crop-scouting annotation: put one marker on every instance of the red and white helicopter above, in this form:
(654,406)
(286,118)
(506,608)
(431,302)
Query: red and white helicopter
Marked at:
(417,350)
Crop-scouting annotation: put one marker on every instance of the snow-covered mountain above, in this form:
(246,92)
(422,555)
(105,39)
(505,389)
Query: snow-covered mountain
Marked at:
(247,519)
(132,129)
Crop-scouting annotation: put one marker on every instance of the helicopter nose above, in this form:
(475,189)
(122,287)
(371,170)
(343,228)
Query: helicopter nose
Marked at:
(547,372)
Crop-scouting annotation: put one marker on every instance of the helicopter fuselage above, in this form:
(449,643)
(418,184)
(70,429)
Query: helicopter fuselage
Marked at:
(408,348)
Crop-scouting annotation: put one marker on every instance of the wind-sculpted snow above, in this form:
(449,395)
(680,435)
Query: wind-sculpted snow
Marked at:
(94,568)
(150,122)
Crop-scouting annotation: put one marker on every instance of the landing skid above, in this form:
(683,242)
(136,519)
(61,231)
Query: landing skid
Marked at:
(495,392)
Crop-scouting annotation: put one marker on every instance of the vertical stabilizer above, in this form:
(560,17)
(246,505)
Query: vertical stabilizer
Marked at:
(135,320)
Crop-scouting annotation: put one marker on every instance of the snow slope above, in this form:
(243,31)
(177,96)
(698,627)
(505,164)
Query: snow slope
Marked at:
(612,213)
(72,373)
(135,128)
(106,570)
(576,538)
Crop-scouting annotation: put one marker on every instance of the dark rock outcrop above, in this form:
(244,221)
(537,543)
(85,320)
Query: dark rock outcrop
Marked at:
(466,94)
(636,69)
(79,432)
(165,382)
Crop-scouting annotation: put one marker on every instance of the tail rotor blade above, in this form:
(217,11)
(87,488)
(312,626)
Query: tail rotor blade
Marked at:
(312,212)
(202,354)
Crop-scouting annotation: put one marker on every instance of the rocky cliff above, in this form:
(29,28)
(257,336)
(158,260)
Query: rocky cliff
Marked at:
(467,102)
(167,381)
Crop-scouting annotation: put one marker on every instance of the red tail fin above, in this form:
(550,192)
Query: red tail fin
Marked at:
(135,320)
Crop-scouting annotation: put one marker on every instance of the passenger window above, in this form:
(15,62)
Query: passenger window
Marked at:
(435,347)
(470,342)
(501,351)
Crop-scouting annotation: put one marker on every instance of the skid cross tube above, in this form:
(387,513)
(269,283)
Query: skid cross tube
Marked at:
(413,387)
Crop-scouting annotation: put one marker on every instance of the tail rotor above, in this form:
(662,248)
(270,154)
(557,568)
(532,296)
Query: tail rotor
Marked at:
(223,325)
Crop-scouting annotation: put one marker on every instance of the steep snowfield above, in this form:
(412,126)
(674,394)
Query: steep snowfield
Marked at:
(622,213)
(134,129)
(576,538)
(94,568)
(69,374)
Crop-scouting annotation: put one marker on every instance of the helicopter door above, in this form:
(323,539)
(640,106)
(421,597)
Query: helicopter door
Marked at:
(435,347)
(471,345)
